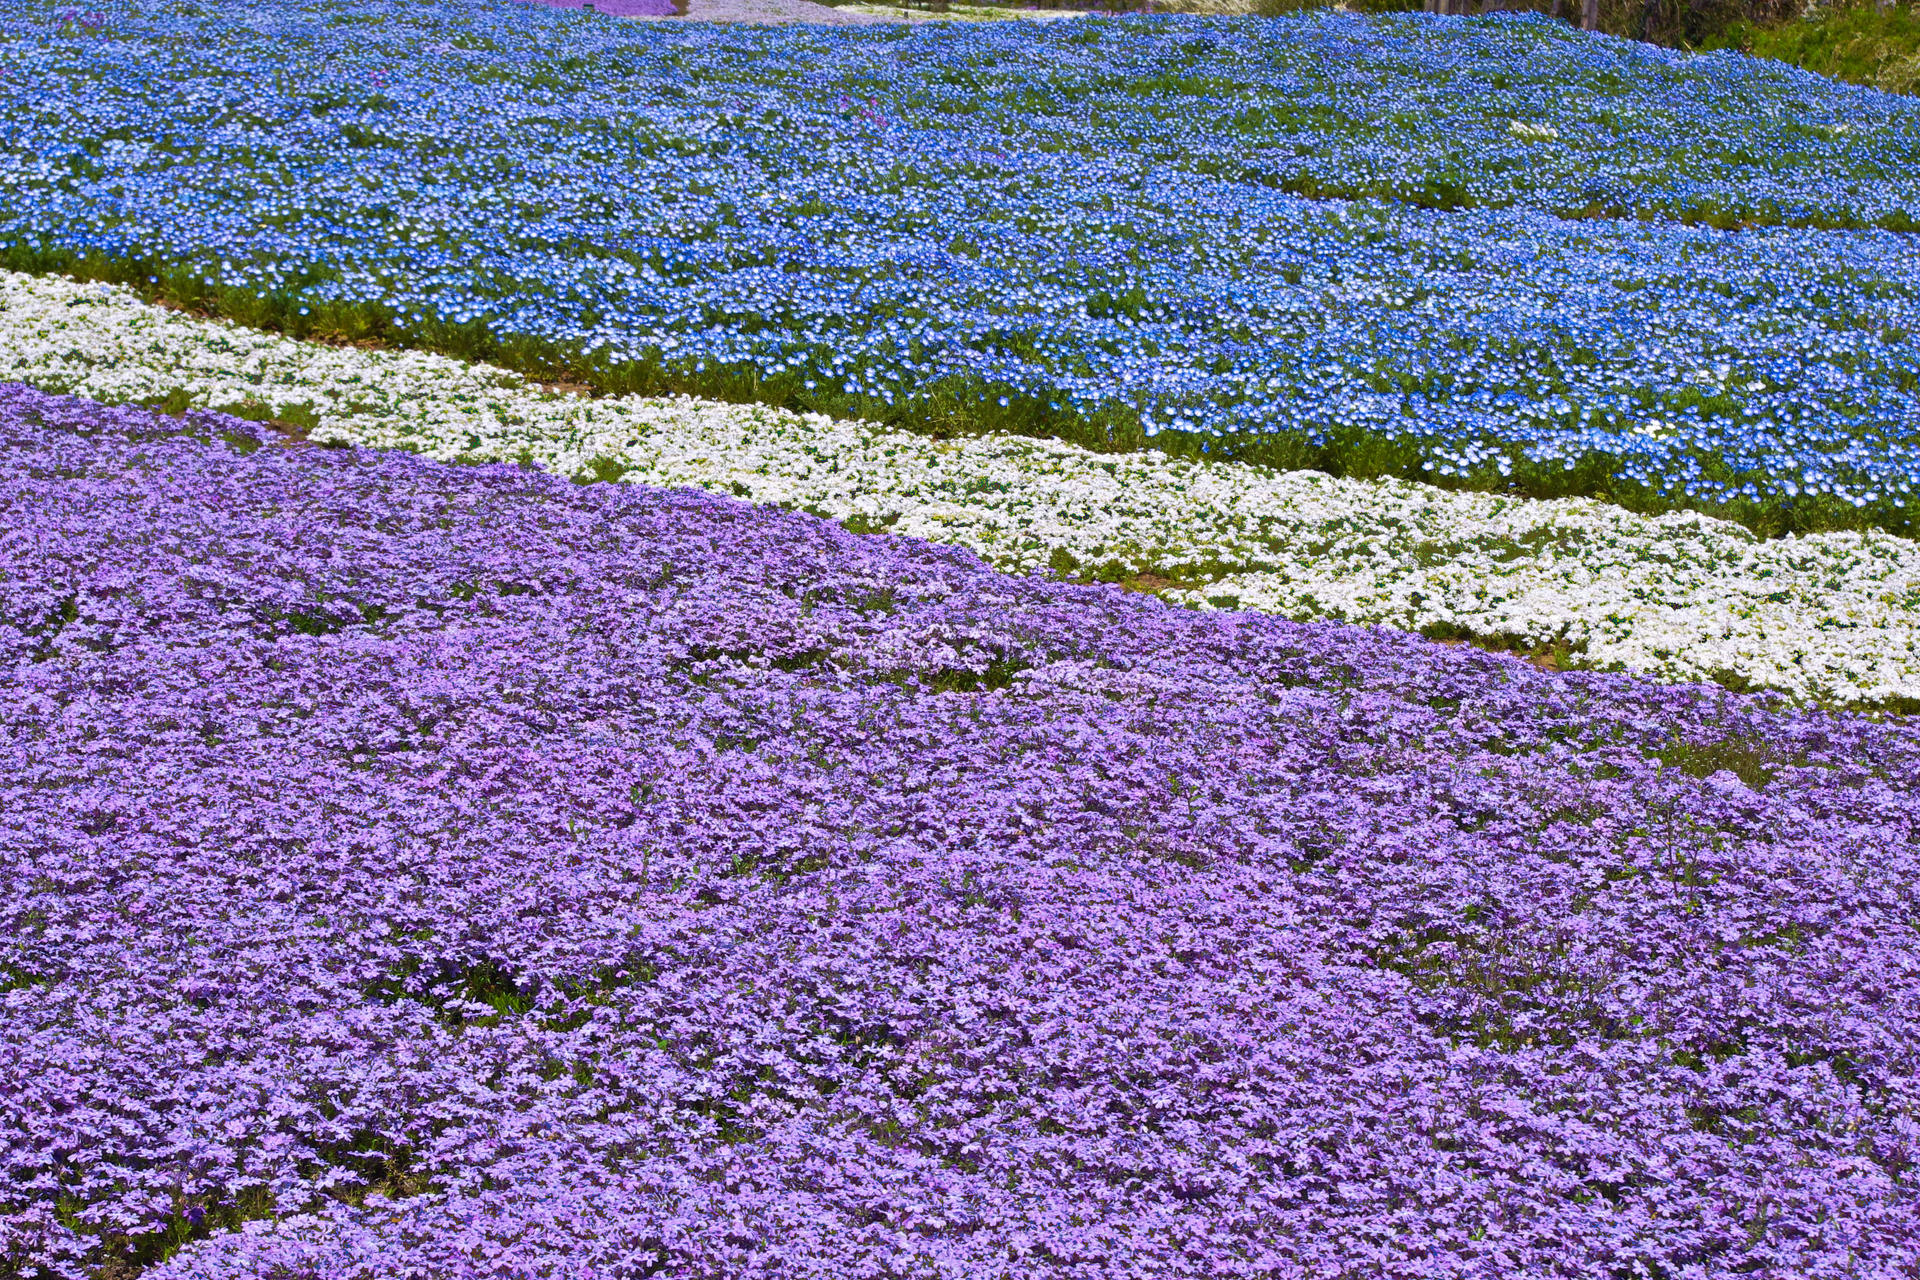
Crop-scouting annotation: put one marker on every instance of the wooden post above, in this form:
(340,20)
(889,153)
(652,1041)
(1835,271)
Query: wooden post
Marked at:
(1590,15)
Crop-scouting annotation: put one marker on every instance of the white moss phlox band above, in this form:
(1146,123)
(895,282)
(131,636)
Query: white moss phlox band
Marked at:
(1831,617)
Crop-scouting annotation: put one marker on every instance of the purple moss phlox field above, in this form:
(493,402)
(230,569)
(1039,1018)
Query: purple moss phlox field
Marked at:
(408,870)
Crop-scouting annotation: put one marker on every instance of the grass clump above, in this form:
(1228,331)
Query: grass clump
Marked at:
(1865,44)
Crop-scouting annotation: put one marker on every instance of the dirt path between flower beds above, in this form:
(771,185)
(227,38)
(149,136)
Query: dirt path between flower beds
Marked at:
(736,11)
(804,11)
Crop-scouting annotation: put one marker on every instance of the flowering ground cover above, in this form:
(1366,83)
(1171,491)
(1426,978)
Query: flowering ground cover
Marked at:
(416,869)
(1828,617)
(1492,254)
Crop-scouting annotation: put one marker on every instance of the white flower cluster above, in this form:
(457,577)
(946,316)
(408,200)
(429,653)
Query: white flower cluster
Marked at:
(1832,617)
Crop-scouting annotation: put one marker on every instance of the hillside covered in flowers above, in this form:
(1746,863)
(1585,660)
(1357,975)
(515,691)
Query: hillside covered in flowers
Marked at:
(1119,649)
(1485,255)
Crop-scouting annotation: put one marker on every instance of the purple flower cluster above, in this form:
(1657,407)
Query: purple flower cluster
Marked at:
(408,870)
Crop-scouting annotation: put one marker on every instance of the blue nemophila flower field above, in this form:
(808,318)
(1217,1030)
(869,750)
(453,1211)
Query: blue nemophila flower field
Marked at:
(1489,253)
(456,872)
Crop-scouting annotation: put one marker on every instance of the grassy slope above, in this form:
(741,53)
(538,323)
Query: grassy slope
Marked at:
(1858,43)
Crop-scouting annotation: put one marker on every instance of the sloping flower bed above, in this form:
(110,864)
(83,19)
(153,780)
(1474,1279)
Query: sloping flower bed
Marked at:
(1830,617)
(1481,254)
(452,871)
